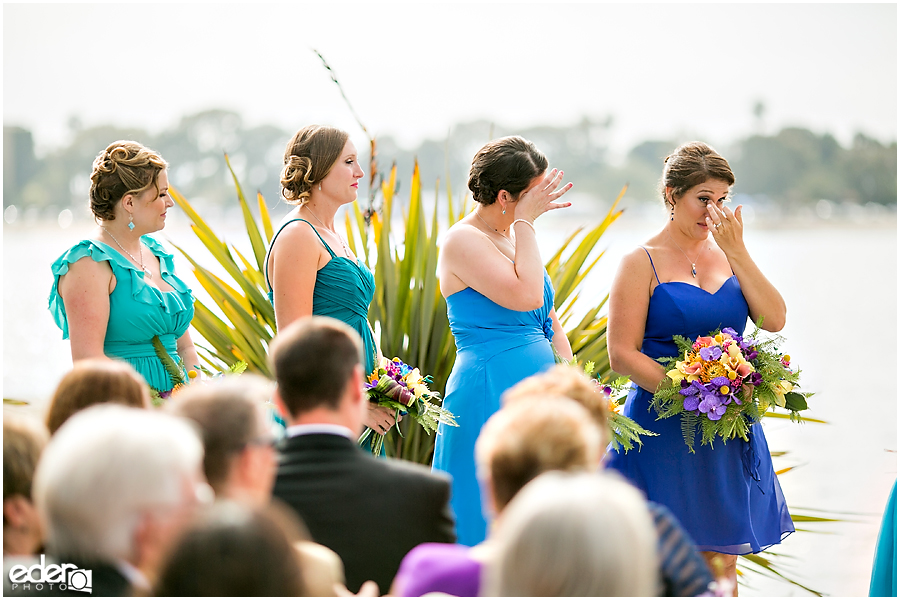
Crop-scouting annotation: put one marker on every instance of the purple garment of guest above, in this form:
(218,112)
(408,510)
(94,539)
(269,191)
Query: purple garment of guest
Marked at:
(431,567)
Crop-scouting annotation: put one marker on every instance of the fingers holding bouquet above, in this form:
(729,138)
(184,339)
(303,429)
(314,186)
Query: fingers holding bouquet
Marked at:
(542,196)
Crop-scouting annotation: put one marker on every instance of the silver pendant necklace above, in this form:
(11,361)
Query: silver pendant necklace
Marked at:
(146,271)
(508,241)
(693,262)
(325,227)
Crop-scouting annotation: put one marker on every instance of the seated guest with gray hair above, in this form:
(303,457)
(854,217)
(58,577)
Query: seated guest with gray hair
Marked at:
(114,487)
(574,534)
(518,443)
(370,511)
(683,572)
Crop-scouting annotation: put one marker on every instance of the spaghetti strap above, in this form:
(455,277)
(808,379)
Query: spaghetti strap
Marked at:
(652,265)
(275,237)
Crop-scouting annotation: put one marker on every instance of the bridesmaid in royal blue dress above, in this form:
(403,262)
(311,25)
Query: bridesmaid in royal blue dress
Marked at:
(500,307)
(692,277)
(311,271)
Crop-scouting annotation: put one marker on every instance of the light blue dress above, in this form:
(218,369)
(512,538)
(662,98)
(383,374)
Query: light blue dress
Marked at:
(137,311)
(496,348)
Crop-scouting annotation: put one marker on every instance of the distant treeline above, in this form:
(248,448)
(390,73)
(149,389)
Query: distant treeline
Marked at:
(794,166)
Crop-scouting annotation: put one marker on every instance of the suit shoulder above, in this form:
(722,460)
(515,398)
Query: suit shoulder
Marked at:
(412,472)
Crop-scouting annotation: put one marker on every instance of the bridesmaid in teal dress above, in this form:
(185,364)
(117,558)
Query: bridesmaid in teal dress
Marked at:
(500,307)
(310,270)
(113,292)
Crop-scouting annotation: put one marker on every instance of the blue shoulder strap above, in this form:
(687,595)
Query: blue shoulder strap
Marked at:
(651,264)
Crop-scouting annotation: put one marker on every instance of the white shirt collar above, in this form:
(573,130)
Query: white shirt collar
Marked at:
(329,428)
(134,576)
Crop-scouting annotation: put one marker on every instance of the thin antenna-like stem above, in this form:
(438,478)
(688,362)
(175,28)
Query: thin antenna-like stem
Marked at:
(373,162)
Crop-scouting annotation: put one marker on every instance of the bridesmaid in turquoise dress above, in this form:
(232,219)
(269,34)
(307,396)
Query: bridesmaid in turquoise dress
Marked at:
(500,307)
(310,270)
(692,277)
(113,292)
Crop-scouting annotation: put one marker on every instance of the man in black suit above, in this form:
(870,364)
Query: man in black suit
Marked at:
(370,511)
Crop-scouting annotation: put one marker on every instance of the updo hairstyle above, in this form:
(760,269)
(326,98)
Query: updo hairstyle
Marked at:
(509,163)
(691,164)
(125,167)
(308,159)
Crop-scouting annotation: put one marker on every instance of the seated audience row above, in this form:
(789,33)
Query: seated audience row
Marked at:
(128,492)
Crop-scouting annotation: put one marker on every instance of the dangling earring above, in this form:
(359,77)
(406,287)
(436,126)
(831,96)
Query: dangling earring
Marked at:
(504,211)
(672,212)
(130,222)
(320,187)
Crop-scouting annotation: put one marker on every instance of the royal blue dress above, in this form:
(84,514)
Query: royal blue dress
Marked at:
(727,496)
(496,348)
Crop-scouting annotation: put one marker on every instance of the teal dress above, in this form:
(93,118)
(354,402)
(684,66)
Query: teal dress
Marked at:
(343,291)
(137,311)
(496,348)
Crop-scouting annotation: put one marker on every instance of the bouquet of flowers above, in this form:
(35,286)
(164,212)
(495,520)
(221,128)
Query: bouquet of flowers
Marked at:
(398,386)
(625,432)
(725,382)
(180,376)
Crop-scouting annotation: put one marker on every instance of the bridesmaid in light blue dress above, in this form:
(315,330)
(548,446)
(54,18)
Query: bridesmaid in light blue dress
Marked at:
(112,293)
(500,307)
(310,270)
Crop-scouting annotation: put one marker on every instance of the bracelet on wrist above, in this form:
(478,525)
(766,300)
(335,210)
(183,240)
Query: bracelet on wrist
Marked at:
(527,222)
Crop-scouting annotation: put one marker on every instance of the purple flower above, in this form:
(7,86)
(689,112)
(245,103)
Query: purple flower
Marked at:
(732,333)
(720,381)
(751,355)
(711,407)
(693,389)
(711,353)
(691,402)
(755,379)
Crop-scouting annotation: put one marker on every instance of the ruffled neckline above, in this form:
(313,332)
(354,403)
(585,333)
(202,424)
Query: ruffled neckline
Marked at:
(174,301)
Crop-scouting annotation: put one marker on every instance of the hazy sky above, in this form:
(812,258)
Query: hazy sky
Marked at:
(412,70)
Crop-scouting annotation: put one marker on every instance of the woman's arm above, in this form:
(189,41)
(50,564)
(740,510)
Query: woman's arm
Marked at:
(85,291)
(629,301)
(294,263)
(560,340)
(762,297)
(471,257)
(187,351)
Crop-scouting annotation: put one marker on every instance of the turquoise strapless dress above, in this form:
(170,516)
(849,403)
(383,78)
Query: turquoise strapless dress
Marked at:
(343,291)
(496,348)
(137,310)
(726,496)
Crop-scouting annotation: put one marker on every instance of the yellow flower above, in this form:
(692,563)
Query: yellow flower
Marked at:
(724,390)
(781,388)
(718,338)
(675,375)
(192,374)
(419,390)
(413,377)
